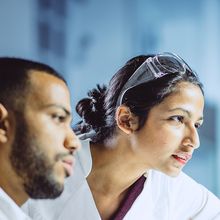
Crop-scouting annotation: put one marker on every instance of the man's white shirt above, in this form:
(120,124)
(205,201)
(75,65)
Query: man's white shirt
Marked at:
(9,210)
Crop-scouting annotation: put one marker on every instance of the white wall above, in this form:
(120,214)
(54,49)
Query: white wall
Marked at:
(17,28)
(102,35)
(98,43)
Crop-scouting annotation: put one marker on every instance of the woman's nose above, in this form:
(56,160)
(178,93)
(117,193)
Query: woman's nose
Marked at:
(192,137)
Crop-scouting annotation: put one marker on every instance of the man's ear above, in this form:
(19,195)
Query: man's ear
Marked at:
(126,120)
(3,124)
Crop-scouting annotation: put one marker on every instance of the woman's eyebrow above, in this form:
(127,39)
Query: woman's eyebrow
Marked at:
(185,111)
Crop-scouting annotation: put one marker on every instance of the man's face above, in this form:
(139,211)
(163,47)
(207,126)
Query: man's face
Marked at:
(43,143)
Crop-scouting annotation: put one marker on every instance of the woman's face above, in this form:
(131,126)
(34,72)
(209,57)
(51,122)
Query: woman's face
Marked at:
(170,134)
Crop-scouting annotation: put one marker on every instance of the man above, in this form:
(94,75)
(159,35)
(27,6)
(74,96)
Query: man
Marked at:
(36,139)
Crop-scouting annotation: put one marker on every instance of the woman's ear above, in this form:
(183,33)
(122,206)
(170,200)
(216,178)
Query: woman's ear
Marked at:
(126,120)
(3,124)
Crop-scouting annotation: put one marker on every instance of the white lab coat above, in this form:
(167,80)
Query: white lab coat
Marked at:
(9,210)
(163,198)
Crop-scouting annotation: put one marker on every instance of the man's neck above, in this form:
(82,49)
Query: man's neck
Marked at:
(18,196)
(12,184)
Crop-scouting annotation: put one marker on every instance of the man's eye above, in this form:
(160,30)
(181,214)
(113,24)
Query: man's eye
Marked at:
(198,125)
(177,118)
(58,118)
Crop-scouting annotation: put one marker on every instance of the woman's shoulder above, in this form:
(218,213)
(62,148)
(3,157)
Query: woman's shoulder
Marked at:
(184,190)
(176,185)
(182,178)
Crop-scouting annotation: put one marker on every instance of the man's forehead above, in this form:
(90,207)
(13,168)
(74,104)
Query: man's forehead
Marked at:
(48,89)
(44,79)
(40,75)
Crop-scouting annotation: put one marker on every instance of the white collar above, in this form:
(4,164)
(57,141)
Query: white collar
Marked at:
(85,158)
(9,209)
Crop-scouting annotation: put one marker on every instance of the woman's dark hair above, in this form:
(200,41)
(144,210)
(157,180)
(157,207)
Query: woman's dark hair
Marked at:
(98,110)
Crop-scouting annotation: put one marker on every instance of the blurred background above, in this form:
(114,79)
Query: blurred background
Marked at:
(88,40)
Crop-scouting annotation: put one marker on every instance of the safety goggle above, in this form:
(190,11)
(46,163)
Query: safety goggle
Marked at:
(153,68)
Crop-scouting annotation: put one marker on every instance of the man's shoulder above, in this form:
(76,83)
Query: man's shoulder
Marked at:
(9,209)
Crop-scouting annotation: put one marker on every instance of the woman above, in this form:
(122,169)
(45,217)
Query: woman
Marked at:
(142,129)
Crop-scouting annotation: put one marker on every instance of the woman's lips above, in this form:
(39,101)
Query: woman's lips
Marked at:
(182,158)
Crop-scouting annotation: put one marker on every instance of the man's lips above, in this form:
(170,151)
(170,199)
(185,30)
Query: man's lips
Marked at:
(183,158)
(68,165)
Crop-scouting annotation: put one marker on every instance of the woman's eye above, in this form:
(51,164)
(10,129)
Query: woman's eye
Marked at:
(177,118)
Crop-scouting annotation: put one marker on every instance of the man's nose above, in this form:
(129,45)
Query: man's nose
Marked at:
(72,143)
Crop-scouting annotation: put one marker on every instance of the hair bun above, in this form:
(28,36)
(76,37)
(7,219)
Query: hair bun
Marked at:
(91,109)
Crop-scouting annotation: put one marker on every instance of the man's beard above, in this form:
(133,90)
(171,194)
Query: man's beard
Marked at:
(32,165)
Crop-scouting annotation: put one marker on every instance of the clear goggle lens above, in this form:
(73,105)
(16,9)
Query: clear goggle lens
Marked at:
(153,68)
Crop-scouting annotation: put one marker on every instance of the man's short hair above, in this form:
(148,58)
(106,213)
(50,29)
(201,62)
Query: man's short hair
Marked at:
(14,79)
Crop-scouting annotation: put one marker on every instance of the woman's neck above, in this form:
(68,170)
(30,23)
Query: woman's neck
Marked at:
(114,170)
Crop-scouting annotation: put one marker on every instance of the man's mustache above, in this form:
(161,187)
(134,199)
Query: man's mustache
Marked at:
(60,156)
